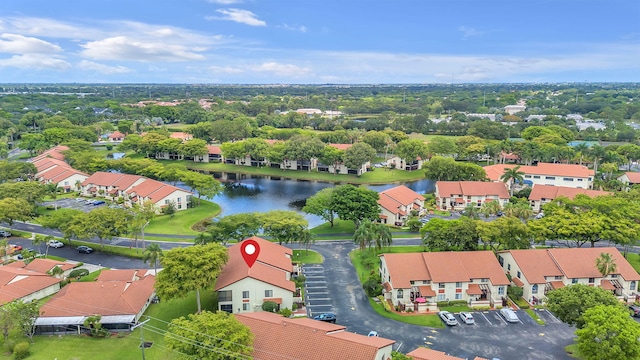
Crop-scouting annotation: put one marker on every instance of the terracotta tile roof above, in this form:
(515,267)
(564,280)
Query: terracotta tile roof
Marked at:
(607,285)
(100,297)
(181,135)
(494,172)
(59,173)
(448,189)
(342,147)
(116,135)
(272,266)
(104,178)
(16,283)
(48,163)
(474,289)
(387,287)
(55,152)
(122,275)
(634,177)
(517,281)
(154,190)
(556,284)
(423,353)
(459,266)
(426,291)
(45,265)
(572,263)
(400,196)
(279,338)
(550,192)
(214,149)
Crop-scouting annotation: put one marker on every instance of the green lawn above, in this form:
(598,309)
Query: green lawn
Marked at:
(634,260)
(182,221)
(573,351)
(307,257)
(431,320)
(455,308)
(339,227)
(125,347)
(534,316)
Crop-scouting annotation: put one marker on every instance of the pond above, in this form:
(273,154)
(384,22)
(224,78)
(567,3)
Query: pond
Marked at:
(262,194)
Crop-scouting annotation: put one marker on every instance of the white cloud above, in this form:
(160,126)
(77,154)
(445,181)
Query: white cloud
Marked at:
(18,44)
(468,32)
(238,15)
(124,48)
(35,62)
(101,68)
(300,28)
(227,70)
(287,70)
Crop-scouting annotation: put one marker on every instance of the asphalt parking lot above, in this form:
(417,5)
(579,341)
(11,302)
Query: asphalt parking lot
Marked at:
(68,203)
(317,298)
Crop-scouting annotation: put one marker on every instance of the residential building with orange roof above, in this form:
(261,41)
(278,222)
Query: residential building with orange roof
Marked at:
(419,280)
(243,289)
(52,169)
(538,271)
(116,136)
(630,178)
(214,154)
(123,275)
(422,353)
(543,194)
(181,135)
(569,175)
(55,153)
(396,162)
(397,203)
(18,283)
(456,195)
(279,338)
(109,184)
(119,303)
(46,265)
(339,167)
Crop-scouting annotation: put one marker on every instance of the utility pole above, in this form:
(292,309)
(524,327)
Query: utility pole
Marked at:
(141,325)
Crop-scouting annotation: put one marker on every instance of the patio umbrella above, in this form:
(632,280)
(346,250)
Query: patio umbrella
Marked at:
(421,300)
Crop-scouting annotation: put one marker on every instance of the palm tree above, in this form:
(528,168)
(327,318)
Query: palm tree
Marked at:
(152,254)
(512,176)
(383,236)
(581,149)
(596,152)
(606,264)
(52,190)
(364,235)
(56,271)
(472,211)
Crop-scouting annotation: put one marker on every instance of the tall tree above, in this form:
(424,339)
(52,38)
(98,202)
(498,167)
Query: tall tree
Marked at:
(25,315)
(12,210)
(190,268)
(320,204)
(204,185)
(103,223)
(209,336)
(355,204)
(358,154)
(283,226)
(153,254)
(608,333)
(512,176)
(606,264)
(570,302)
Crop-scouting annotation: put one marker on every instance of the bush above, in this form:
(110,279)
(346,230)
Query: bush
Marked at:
(372,286)
(21,350)
(515,291)
(300,280)
(451,303)
(269,306)
(285,312)
(10,344)
(78,273)
(294,307)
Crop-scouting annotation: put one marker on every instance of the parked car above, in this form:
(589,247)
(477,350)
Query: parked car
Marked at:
(98,202)
(467,318)
(55,244)
(79,199)
(499,214)
(635,310)
(372,333)
(88,201)
(540,215)
(5,233)
(328,317)
(448,318)
(15,248)
(509,315)
(84,249)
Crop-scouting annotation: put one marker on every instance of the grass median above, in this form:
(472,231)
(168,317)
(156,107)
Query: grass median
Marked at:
(181,222)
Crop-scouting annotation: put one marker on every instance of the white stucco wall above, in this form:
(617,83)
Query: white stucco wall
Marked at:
(256,289)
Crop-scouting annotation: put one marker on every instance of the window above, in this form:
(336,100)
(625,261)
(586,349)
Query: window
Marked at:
(613,276)
(228,308)
(458,284)
(412,282)
(519,275)
(441,286)
(592,280)
(580,179)
(426,282)
(632,285)
(179,199)
(501,260)
(500,290)
(245,307)
(400,294)
(527,176)
(245,294)
(458,296)
(166,201)
(534,289)
(509,267)
(484,280)
(558,277)
(536,176)
(574,281)
(549,177)
(440,297)
(567,179)
(224,296)
(268,293)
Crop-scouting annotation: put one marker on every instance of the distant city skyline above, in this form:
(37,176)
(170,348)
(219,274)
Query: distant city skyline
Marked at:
(319,42)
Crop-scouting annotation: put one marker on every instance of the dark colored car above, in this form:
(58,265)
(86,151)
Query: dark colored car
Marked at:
(635,310)
(328,317)
(5,233)
(84,249)
(98,202)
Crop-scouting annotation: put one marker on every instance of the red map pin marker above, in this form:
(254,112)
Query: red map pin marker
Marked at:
(250,250)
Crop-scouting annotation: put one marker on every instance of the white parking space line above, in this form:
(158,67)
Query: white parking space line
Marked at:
(501,319)
(553,316)
(486,318)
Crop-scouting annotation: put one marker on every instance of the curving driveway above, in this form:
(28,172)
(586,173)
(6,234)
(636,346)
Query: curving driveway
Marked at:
(491,337)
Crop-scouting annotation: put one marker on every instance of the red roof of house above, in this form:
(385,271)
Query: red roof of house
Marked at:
(342,147)
(105,178)
(634,177)
(272,266)
(55,152)
(17,282)
(550,192)
(116,135)
(45,265)
(423,353)
(494,172)
(122,275)
(100,297)
(154,190)
(573,263)
(181,135)
(279,338)
(48,163)
(457,189)
(400,196)
(214,149)
(444,267)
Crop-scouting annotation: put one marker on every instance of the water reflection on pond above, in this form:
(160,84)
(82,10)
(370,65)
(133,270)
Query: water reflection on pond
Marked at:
(262,194)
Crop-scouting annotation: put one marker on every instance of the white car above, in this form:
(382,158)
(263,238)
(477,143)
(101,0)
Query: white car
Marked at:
(509,315)
(372,333)
(55,244)
(467,318)
(448,318)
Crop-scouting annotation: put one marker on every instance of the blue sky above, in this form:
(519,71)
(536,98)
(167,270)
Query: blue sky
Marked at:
(319,41)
